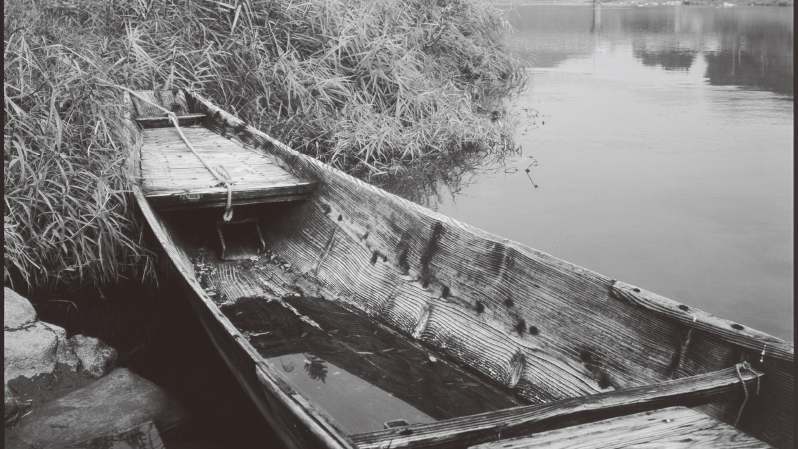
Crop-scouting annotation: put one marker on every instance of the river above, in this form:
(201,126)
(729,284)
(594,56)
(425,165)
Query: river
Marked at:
(659,143)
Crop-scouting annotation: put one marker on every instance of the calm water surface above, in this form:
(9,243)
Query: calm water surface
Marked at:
(660,140)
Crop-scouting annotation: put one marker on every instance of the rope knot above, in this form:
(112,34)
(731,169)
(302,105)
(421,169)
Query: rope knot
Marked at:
(738,367)
(226,181)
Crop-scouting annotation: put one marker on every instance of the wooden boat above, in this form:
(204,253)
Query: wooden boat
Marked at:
(367,321)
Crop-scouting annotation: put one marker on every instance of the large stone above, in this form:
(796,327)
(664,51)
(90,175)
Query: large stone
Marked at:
(96,357)
(17,311)
(108,406)
(29,351)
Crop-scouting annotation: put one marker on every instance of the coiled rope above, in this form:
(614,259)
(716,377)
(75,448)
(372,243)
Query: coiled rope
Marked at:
(224,178)
(748,367)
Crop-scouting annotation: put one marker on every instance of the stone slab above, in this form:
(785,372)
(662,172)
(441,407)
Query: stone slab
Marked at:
(110,405)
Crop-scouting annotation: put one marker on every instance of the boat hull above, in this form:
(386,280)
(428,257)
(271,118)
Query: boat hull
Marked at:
(539,326)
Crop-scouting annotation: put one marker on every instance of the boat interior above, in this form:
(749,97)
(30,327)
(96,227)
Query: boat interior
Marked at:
(378,323)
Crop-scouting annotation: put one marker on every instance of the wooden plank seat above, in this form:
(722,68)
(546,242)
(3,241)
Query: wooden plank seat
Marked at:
(164,121)
(673,427)
(530,419)
(173,178)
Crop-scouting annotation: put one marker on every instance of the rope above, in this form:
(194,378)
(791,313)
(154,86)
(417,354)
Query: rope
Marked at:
(223,179)
(745,388)
(228,212)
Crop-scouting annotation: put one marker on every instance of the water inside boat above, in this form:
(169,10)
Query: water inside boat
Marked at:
(361,372)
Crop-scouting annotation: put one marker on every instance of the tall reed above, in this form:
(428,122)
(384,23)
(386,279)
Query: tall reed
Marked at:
(370,86)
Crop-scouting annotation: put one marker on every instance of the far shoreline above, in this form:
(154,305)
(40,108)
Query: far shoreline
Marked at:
(643,3)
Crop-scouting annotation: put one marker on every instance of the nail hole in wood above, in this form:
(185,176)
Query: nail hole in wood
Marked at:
(445,291)
(340,217)
(326,208)
(479,307)
(739,327)
(604,380)
(636,290)
(509,302)
(374,256)
(684,307)
(533,330)
(520,327)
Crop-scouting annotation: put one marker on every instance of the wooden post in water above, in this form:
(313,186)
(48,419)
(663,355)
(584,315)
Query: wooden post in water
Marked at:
(596,16)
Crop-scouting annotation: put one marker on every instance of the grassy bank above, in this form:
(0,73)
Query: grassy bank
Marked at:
(371,87)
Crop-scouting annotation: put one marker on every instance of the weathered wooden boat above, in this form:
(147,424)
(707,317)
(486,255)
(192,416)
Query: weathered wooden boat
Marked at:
(411,329)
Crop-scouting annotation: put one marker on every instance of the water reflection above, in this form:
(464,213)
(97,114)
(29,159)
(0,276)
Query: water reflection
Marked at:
(315,367)
(749,47)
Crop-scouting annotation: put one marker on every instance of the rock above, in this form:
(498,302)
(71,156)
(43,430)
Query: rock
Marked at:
(17,311)
(64,354)
(14,408)
(143,436)
(110,405)
(96,357)
(29,351)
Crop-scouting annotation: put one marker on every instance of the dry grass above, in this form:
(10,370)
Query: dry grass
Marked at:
(370,86)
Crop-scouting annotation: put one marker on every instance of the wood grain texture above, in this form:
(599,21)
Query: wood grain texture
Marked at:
(526,420)
(255,302)
(672,427)
(735,333)
(162,122)
(298,423)
(174,178)
(410,267)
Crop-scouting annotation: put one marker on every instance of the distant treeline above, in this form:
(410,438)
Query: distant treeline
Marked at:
(369,86)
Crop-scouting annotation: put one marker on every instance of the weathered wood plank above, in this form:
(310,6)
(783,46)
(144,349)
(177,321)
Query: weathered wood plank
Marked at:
(160,122)
(217,197)
(236,202)
(174,178)
(697,319)
(672,427)
(519,421)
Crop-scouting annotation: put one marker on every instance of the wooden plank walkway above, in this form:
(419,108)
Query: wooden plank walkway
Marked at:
(672,427)
(174,178)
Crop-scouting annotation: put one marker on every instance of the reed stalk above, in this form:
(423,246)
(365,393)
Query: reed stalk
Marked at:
(370,86)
